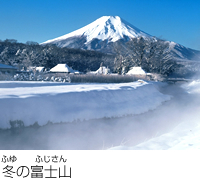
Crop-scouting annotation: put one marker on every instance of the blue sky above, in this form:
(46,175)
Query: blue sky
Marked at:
(41,20)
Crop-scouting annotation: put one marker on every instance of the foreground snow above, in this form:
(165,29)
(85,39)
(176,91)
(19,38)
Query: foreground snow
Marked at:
(56,102)
(193,87)
(185,135)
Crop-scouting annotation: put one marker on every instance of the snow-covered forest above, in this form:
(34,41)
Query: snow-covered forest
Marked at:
(153,55)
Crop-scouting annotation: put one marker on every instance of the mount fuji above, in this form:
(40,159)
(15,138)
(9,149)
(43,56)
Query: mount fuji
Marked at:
(98,34)
(107,32)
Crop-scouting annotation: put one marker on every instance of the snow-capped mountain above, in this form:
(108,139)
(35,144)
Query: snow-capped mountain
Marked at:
(109,32)
(98,34)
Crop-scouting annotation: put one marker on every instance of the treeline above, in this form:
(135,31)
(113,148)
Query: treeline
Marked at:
(32,54)
(152,54)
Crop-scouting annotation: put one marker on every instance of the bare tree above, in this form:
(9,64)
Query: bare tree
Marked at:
(152,54)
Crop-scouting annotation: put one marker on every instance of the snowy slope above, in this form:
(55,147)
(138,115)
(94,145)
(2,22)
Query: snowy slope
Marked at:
(193,87)
(43,102)
(108,32)
(185,135)
(182,53)
(111,28)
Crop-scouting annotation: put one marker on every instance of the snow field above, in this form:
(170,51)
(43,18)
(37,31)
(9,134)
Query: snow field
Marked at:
(57,102)
(193,87)
(185,135)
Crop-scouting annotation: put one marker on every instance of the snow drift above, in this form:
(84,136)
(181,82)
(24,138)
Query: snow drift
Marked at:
(193,87)
(185,134)
(58,102)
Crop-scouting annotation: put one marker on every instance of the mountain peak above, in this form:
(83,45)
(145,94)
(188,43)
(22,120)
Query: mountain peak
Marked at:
(110,17)
(110,28)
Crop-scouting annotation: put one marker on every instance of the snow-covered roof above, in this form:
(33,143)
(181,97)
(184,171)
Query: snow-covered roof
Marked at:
(102,70)
(136,70)
(39,69)
(63,68)
(4,66)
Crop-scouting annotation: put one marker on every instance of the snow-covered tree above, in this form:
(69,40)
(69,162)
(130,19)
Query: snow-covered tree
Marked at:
(152,54)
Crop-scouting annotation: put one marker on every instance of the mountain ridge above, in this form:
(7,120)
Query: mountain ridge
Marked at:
(110,28)
(105,33)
